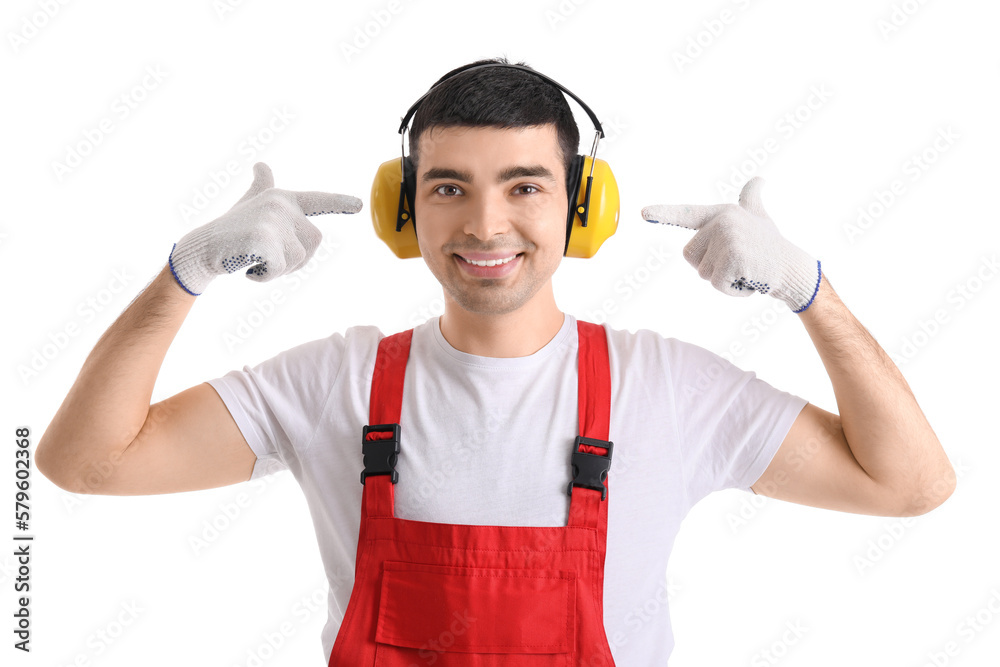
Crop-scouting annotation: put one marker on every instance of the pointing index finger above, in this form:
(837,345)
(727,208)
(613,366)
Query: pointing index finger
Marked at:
(682,215)
(318,203)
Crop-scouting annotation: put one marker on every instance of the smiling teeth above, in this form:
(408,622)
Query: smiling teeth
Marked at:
(489,262)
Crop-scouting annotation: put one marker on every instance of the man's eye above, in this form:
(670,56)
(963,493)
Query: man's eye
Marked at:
(532,188)
(447,190)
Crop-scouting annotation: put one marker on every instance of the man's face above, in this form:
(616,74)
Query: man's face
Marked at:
(485,192)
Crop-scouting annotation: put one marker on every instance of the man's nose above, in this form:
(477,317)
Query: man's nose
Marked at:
(489,215)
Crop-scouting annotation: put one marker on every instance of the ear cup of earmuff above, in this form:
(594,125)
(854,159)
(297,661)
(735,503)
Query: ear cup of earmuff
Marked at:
(389,205)
(602,218)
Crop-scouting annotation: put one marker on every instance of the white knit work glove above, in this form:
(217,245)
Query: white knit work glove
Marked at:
(739,249)
(266,229)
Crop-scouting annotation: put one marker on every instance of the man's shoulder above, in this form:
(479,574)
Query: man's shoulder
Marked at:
(636,339)
(363,332)
(359,340)
(363,339)
(649,338)
(648,348)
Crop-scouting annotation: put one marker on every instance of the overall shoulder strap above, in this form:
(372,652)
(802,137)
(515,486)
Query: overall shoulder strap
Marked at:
(591,460)
(380,439)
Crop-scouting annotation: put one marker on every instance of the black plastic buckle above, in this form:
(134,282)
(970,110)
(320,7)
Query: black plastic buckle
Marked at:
(590,470)
(380,455)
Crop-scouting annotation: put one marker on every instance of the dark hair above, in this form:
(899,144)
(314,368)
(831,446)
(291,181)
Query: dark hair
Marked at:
(496,97)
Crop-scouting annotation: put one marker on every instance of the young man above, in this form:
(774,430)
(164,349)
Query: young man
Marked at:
(473,531)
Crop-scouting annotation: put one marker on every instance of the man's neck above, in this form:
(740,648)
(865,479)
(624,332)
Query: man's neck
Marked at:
(516,334)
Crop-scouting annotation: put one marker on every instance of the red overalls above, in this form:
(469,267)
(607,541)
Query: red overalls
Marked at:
(451,594)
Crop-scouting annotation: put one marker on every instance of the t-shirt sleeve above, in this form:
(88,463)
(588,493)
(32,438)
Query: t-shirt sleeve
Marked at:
(278,402)
(730,422)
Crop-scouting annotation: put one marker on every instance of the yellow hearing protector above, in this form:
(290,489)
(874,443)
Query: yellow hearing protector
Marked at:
(593,203)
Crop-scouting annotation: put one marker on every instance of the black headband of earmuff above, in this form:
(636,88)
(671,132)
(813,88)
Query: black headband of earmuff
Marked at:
(413,109)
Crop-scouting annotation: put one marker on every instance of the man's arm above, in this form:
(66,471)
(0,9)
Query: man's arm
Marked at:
(879,456)
(106,438)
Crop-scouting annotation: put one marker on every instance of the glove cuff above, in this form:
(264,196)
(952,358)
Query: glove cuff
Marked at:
(802,277)
(187,260)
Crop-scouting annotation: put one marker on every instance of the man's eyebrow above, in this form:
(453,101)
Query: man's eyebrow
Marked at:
(448,173)
(517,171)
(525,171)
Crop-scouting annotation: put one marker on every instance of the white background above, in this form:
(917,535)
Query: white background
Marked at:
(676,131)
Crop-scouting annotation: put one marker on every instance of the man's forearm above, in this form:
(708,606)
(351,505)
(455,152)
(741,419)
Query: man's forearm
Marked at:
(885,428)
(107,405)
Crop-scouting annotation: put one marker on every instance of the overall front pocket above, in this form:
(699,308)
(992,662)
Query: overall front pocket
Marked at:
(444,615)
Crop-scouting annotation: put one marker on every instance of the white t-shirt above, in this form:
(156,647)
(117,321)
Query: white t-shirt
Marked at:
(487,441)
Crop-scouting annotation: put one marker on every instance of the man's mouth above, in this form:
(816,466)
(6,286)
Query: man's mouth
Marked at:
(489,262)
(494,267)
